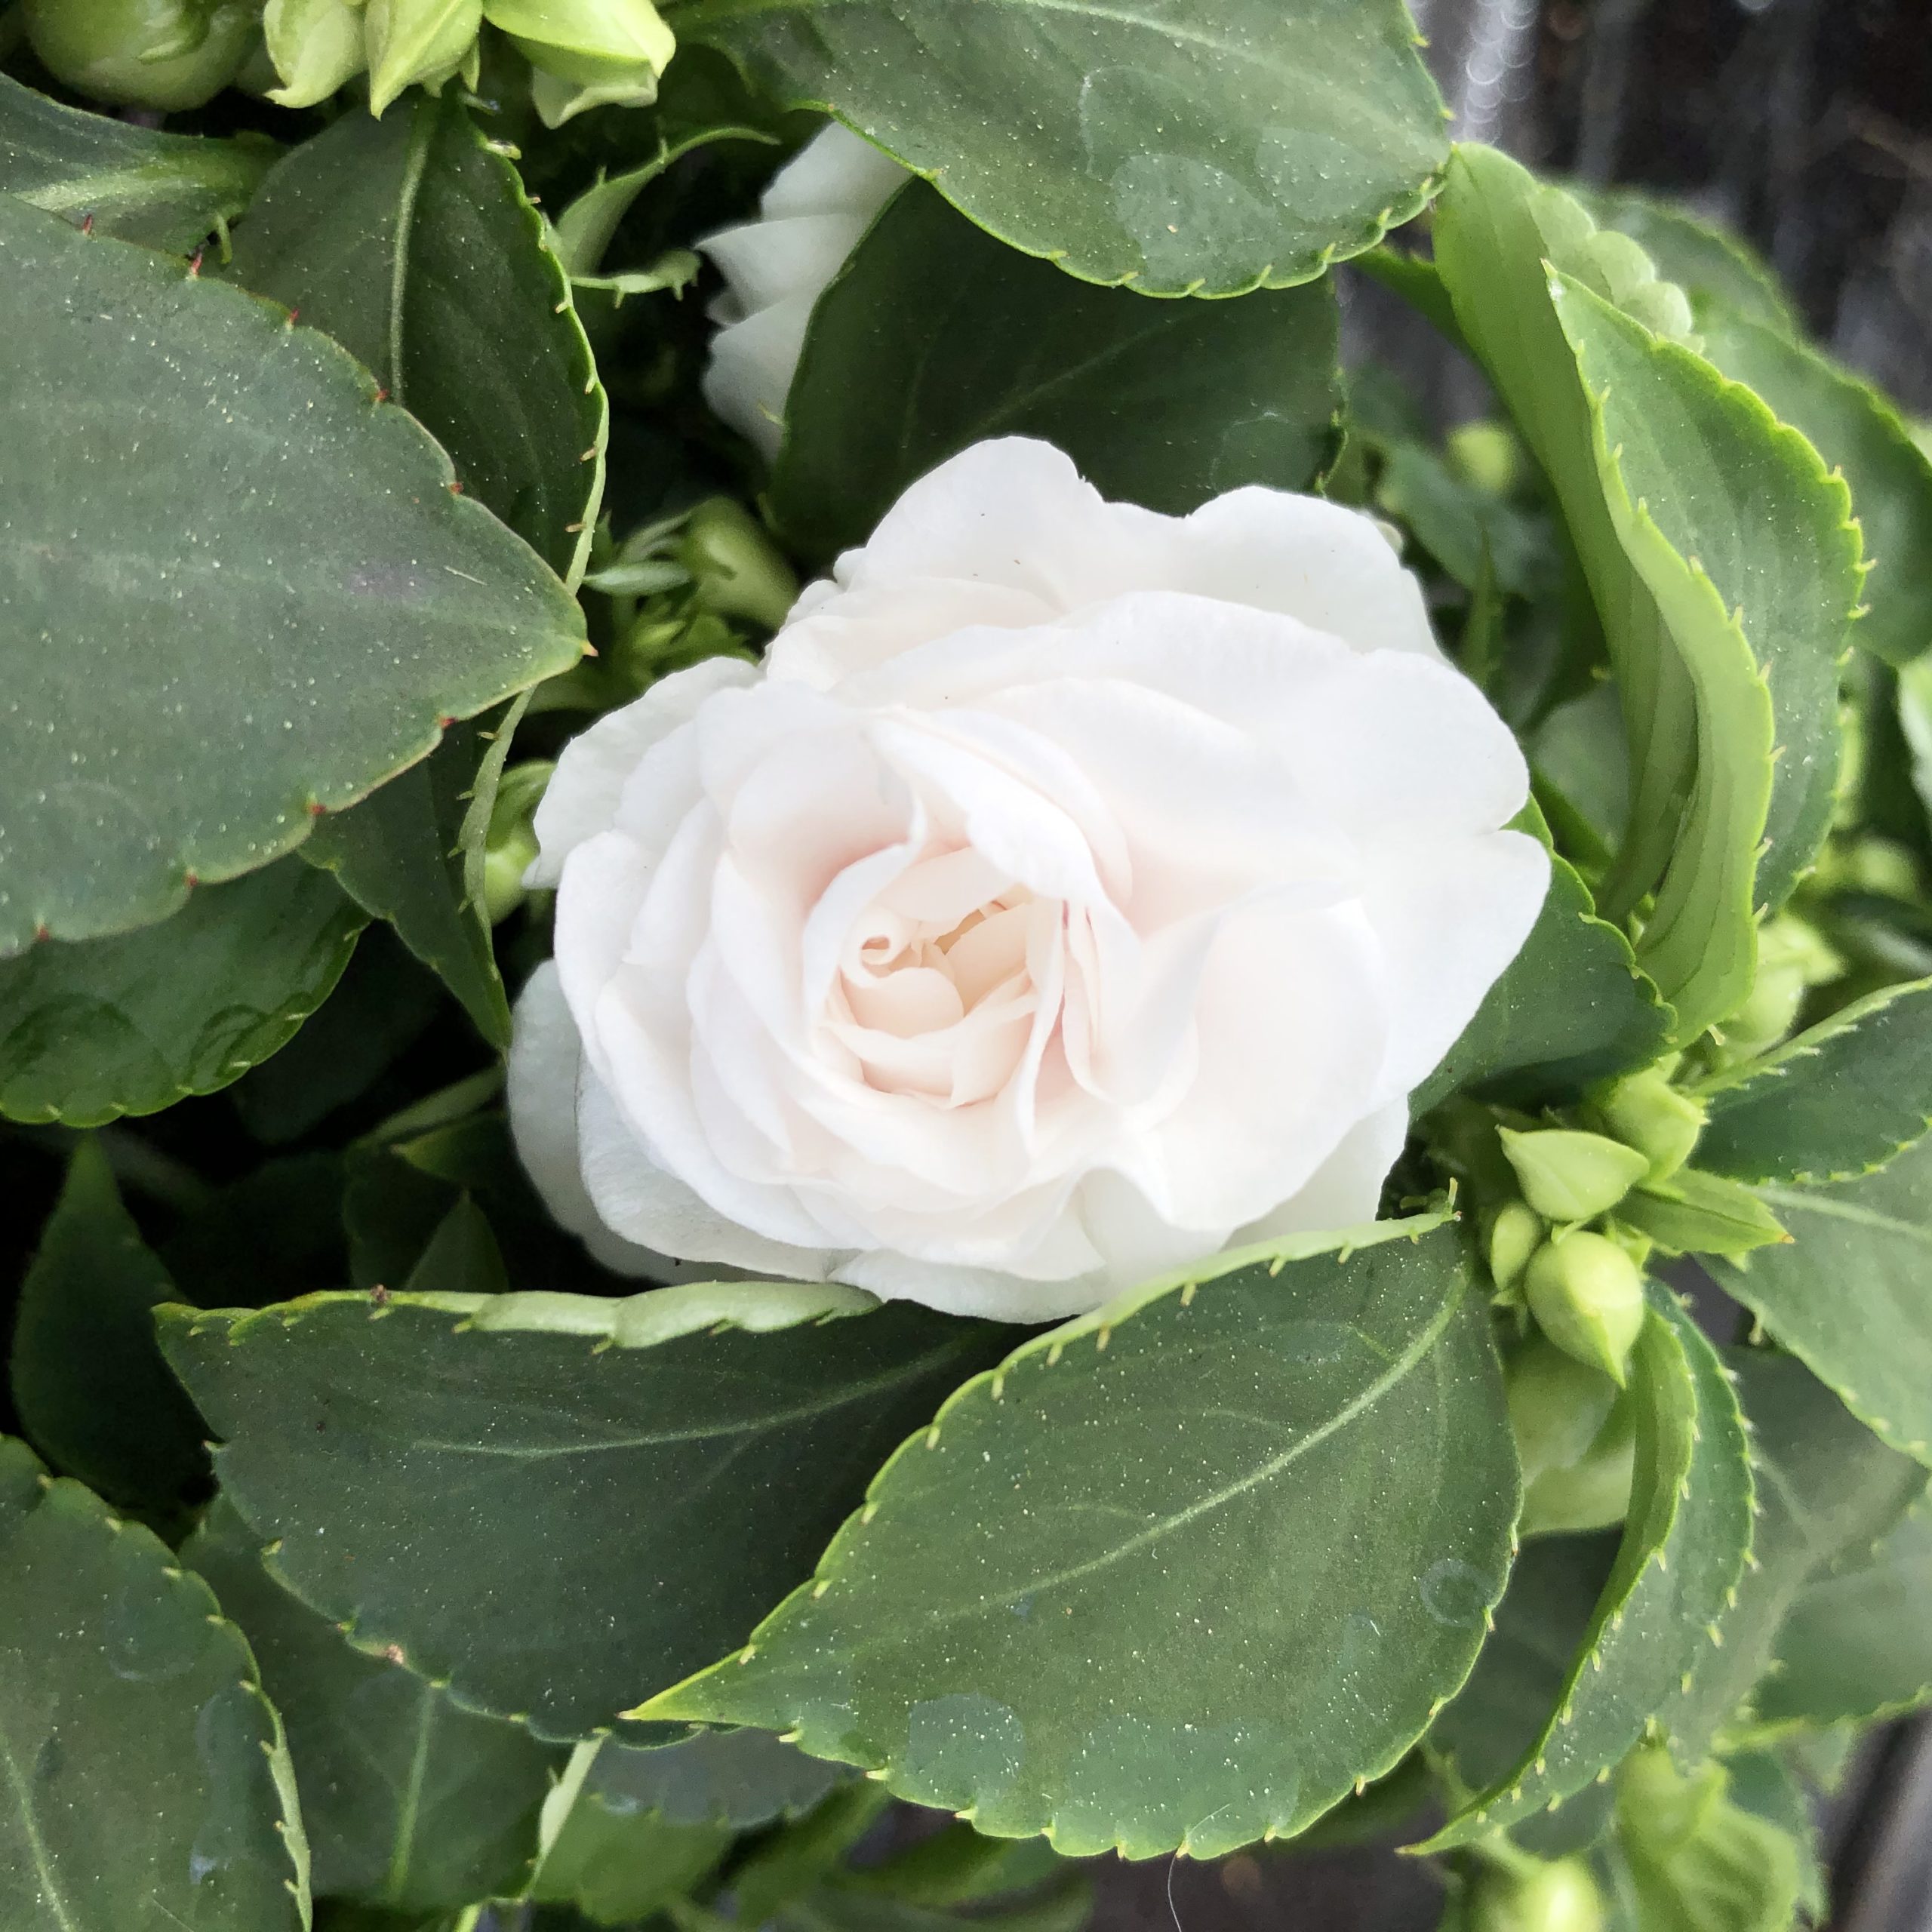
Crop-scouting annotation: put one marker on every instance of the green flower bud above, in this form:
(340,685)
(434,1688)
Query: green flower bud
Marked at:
(1515,1235)
(1568,1176)
(1528,1896)
(1646,1112)
(1487,456)
(1592,1492)
(1557,1406)
(317,47)
(1587,1296)
(1769,1011)
(411,41)
(1788,940)
(169,54)
(510,844)
(737,569)
(587,53)
(1884,866)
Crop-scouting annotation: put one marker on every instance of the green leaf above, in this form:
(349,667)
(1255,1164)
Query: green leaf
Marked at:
(89,1384)
(1825,1484)
(1851,1295)
(640,1478)
(1692,1213)
(1571,1009)
(1683,1548)
(1857,431)
(743,1779)
(1746,544)
(1857,1643)
(1685,500)
(291,1205)
(1698,1863)
(147,1781)
(91,1029)
(399,237)
(400,856)
(1712,265)
(168,191)
(1188,147)
(408,1802)
(1179,1573)
(1837,1101)
(191,673)
(934,336)
(611,1858)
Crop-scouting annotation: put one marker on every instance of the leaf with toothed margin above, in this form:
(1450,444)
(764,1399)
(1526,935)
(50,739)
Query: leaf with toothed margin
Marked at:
(147,1781)
(165,191)
(92,1029)
(402,238)
(1835,1101)
(1684,1546)
(553,1502)
(743,1779)
(1175,1575)
(408,1802)
(1712,265)
(191,673)
(1850,1293)
(1182,146)
(933,337)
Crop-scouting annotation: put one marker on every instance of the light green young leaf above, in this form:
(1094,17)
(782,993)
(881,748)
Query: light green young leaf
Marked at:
(148,1779)
(1857,431)
(1840,1099)
(1851,1295)
(584,229)
(1329,1523)
(189,671)
(400,855)
(1285,135)
(394,237)
(934,336)
(642,1478)
(1683,1548)
(409,1803)
(89,1384)
(169,191)
(317,47)
(1857,1643)
(91,1029)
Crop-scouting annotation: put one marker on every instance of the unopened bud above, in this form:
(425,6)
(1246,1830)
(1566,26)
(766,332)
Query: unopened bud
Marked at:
(168,54)
(1569,1175)
(317,47)
(1587,1296)
(1515,1235)
(1646,1112)
(413,42)
(510,846)
(1592,1492)
(738,570)
(1557,1405)
(587,53)
(1882,865)
(1529,1895)
(1487,456)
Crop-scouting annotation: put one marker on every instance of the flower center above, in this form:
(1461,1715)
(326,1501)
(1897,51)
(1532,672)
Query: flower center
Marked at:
(907,976)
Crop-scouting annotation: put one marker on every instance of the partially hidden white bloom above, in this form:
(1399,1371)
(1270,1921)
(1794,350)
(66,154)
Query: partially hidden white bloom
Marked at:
(1074,892)
(776,268)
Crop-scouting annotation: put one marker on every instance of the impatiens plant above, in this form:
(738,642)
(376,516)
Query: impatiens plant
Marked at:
(797,1009)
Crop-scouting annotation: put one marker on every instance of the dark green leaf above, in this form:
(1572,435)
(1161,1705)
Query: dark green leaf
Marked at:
(1835,1102)
(1856,430)
(1189,146)
(147,1781)
(1857,1643)
(554,1525)
(89,1383)
(935,337)
(743,1779)
(90,1029)
(410,241)
(398,854)
(1851,1295)
(1683,1548)
(1179,1573)
(191,672)
(291,1208)
(169,191)
(408,1802)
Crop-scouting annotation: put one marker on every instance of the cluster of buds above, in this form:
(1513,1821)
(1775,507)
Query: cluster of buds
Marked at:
(172,54)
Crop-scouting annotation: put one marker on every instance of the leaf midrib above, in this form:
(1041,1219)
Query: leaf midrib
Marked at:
(1798,1201)
(50,1887)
